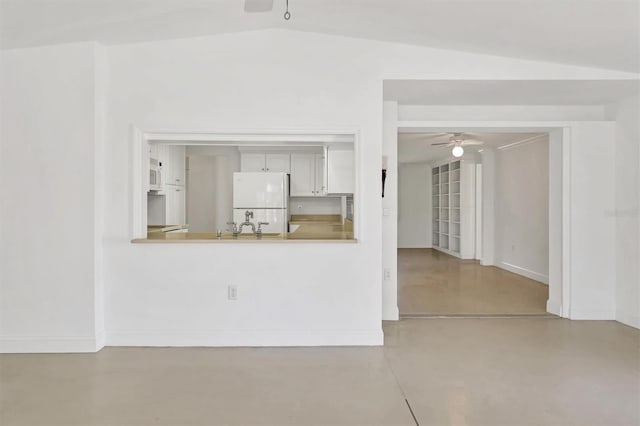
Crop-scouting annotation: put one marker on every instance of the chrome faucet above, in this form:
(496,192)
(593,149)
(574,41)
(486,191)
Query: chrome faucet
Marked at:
(246,222)
(238,229)
(259,230)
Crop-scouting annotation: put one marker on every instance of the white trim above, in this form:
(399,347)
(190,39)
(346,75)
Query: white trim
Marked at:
(415,246)
(542,278)
(522,142)
(554,308)
(281,137)
(410,126)
(566,223)
(414,126)
(250,338)
(593,313)
(257,137)
(49,344)
(628,319)
(101,339)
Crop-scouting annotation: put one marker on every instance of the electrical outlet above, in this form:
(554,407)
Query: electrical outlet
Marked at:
(387,274)
(232,292)
(299,206)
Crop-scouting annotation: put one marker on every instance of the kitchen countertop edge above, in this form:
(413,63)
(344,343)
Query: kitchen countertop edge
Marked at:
(245,241)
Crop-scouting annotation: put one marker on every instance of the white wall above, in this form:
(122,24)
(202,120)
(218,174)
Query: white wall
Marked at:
(189,89)
(319,205)
(208,211)
(559,139)
(389,210)
(522,209)
(50,252)
(414,205)
(201,193)
(242,81)
(627,211)
(176,294)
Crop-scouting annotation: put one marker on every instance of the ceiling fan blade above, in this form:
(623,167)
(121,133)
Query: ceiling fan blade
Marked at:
(252,6)
(472,142)
(435,135)
(440,143)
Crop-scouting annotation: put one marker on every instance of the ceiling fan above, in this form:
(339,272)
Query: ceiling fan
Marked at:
(458,141)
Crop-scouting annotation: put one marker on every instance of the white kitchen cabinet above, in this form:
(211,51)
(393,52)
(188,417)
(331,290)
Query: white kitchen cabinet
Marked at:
(250,162)
(340,170)
(175,205)
(173,158)
(261,162)
(278,163)
(307,175)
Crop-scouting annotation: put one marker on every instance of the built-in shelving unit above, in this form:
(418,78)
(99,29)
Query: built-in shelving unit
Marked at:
(453,195)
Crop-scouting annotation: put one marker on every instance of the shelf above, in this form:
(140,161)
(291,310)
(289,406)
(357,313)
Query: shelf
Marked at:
(456,236)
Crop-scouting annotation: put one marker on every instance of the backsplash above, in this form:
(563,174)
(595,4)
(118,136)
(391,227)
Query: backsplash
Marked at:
(317,205)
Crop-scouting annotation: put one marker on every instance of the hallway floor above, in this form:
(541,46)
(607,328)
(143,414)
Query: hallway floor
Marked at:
(434,283)
(511,372)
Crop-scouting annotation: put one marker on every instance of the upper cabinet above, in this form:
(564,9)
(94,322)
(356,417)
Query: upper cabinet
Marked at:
(340,170)
(308,175)
(326,171)
(173,158)
(261,162)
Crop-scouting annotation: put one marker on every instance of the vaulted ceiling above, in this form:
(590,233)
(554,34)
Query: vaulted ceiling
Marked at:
(596,33)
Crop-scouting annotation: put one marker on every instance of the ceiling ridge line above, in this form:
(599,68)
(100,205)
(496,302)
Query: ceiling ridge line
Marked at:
(521,142)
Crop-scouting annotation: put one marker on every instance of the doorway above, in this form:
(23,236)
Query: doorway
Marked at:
(473,229)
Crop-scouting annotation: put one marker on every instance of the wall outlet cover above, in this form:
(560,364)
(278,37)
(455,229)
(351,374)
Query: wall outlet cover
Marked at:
(232,292)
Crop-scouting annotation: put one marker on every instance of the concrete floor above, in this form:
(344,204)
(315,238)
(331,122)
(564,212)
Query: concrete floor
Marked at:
(434,283)
(526,371)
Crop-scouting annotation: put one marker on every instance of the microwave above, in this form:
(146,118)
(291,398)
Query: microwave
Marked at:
(155,174)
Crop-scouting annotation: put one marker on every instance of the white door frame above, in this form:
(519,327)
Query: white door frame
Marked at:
(139,165)
(559,284)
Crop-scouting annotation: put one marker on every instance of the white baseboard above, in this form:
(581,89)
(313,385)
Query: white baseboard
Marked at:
(393,315)
(595,313)
(415,246)
(536,276)
(246,338)
(628,319)
(554,308)
(49,344)
(100,340)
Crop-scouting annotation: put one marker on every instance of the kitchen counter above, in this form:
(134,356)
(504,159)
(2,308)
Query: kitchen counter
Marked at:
(316,228)
(166,228)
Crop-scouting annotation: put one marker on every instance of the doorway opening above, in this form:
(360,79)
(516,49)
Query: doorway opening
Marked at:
(473,222)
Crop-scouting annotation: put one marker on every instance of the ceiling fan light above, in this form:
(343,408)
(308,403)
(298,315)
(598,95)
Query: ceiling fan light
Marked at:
(457,151)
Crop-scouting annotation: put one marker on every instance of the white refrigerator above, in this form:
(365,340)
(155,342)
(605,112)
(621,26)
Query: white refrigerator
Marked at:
(266,195)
